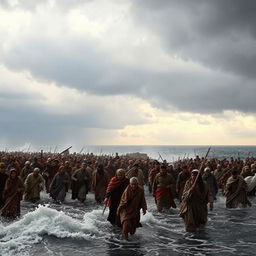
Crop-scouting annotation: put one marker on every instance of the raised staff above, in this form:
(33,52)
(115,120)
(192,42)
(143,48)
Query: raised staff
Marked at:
(196,195)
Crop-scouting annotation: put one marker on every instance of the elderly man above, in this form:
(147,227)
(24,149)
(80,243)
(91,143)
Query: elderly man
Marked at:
(34,183)
(132,200)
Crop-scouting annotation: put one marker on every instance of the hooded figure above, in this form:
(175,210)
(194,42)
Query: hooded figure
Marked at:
(236,191)
(196,196)
(13,195)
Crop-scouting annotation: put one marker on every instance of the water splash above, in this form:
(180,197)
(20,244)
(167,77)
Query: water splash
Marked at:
(30,229)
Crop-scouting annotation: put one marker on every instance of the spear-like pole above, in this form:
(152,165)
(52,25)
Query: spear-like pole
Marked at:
(201,168)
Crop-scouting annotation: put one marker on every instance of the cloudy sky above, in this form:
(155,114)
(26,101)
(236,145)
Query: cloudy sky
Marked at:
(147,72)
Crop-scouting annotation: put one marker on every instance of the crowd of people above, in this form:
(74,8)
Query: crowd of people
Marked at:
(119,182)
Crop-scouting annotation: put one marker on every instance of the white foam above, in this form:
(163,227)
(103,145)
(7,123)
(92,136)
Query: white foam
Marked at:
(30,229)
(149,218)
(96,217)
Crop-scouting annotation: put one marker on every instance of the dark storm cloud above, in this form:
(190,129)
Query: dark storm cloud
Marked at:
(219,34)
(77,64)
(24,121)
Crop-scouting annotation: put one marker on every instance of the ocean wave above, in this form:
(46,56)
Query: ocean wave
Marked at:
(30,229)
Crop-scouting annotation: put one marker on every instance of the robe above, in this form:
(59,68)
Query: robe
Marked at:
(181,181)
(114,192)
(138,173)
(99,185)
(132,201)
(163,191)
(81,186)
(59,186)
(193,208)
(3,179)
(33,186)
(13,195)
(236,192)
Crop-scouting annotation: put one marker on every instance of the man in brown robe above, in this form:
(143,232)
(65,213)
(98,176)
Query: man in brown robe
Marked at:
(34,184)
(135,171)
(3,179)
(99,183)
(152,174)
(236,191)
(26,170)
(182,178)
(193,208)
(132,200)
(59,185)
(13,195)
(81,179)
(163,188)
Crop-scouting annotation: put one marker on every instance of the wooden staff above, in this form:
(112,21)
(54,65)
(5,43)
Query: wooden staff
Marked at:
(160,156)
(200,169)
(183,205)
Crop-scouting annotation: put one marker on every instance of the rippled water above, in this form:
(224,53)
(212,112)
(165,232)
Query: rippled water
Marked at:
(75,229)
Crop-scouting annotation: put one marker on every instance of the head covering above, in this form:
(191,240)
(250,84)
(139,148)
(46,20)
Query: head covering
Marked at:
(207,169)
(2,164)
(134,180)
(195,171)
(13,170)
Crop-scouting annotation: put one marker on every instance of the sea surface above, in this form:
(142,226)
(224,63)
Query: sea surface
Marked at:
(81,229)
(173,153)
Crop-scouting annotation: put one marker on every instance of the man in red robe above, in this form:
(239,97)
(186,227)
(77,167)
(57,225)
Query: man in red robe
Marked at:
(115,189)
